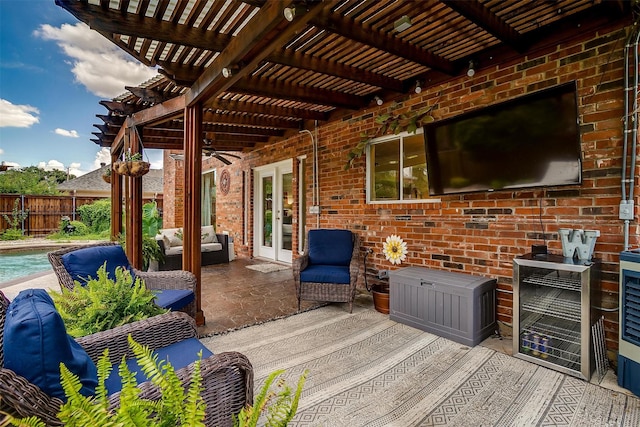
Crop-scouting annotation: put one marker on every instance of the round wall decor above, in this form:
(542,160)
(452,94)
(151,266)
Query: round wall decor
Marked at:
(225,182)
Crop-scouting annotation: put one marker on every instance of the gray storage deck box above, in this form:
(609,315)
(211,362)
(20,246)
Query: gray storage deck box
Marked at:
(457,306)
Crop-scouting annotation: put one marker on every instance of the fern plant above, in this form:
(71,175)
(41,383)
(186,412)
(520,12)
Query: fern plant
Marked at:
(103,303)
(175,407)
(278,408)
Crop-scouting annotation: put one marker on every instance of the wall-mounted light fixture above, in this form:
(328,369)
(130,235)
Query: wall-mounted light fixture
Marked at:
(293,11)
(378,100)
(472,69)
(402,24)
(418,88)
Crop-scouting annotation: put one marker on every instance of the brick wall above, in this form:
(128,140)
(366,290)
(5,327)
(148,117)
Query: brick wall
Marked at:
(478,233)
(173,210)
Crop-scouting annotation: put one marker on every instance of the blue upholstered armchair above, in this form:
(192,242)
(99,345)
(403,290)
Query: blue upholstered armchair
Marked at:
(175,290)
(328,269)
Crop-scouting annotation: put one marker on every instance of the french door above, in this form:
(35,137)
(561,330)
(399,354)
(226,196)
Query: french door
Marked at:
(273,219)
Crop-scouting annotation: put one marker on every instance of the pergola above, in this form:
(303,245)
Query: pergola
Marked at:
(243,74)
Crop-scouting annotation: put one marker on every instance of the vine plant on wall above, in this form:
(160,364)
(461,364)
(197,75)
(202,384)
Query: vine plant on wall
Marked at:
(390,123)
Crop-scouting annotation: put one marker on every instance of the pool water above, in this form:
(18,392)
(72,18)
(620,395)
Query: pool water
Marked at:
(20,264)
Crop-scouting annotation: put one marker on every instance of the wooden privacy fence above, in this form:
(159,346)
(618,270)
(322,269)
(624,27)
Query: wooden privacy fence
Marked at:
(45,212)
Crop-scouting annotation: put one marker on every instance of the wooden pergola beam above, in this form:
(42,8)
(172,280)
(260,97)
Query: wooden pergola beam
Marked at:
(104,19)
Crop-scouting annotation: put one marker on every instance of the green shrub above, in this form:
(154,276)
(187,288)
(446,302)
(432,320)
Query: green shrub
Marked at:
(103,303)
(15,220)
(81,228)
(12,234)
(96,215)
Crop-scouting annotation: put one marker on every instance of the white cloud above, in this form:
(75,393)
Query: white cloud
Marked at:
(102,156)
(74,169)
(99,65)
(19,116)
(155,157)
(52,165)
(68,133)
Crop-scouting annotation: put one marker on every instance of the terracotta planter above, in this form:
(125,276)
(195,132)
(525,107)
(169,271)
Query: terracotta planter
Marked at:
(381,298)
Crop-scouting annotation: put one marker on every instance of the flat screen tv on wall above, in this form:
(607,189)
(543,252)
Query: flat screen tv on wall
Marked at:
(531,141)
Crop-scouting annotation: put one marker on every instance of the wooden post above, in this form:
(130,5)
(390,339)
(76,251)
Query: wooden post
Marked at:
(135,183)
(133,205)
(116,201)
(128,219)
(192,199)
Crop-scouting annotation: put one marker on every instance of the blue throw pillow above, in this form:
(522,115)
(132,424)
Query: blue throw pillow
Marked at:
(84,263)
(330,247)
(36,342)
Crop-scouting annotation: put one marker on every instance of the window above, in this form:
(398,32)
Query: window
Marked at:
(386,158)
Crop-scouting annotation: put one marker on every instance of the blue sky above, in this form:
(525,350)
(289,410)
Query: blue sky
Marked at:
(53,72)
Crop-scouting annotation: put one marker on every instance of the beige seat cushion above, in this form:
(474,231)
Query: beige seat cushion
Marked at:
(172,239)
(211,247)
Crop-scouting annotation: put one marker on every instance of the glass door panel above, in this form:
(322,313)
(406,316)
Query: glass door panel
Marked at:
(287,212)
(267,211)
(274,212)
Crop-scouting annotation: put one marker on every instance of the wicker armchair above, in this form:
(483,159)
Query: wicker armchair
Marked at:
(156,280)
(328,270)
(227,378)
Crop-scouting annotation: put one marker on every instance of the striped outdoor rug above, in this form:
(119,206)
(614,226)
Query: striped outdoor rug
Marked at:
(366,370)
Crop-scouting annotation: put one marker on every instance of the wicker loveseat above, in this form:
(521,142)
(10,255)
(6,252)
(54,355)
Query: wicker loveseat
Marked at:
(227,378)
(214,247)
(175,289)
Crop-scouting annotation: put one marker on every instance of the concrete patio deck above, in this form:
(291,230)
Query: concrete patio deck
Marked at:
(234,297)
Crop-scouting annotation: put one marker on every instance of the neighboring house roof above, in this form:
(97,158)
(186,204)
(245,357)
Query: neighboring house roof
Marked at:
(92,182)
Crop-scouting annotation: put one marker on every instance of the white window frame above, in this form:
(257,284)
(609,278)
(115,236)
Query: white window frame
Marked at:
(380,140)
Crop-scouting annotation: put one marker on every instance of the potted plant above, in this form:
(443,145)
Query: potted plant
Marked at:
(394,250)
(132,165)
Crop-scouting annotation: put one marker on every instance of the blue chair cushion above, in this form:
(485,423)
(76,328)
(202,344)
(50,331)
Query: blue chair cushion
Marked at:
(180,354)
(173,299)
(330,247)
(325,274)
(36,342)
(84,263)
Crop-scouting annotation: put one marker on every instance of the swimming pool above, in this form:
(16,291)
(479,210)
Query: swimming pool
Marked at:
(14,265)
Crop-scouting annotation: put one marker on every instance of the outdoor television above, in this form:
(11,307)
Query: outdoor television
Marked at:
(531,141)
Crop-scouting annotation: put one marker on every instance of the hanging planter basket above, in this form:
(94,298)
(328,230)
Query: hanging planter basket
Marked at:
(131,167)
(106,178)
(132,164)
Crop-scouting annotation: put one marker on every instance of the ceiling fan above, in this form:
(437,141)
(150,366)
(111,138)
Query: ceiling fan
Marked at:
(212,152)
